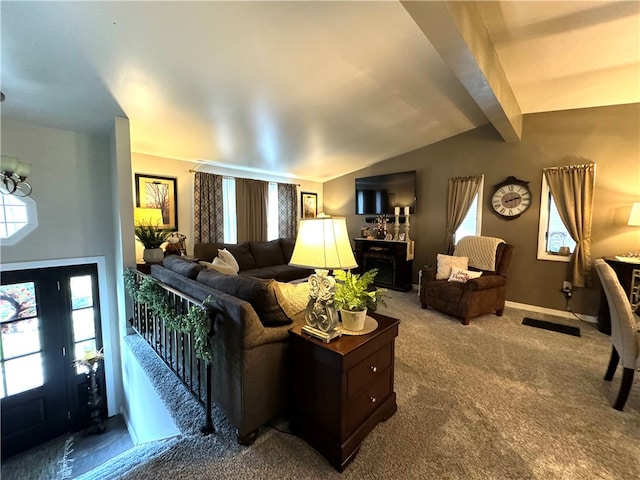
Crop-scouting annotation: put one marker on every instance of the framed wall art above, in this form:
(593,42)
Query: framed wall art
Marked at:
(309,204)
(158,192)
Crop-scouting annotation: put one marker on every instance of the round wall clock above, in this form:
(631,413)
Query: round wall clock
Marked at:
(511,198)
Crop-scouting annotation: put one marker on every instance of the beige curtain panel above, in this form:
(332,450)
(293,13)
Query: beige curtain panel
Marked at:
(251,209)
(461,193)
(572,189)
(208,209)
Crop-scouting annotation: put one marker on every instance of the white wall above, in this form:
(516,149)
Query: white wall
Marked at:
(72,188)
(167,167)
(146,416)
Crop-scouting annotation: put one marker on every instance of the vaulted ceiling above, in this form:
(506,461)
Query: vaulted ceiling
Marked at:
(311,90)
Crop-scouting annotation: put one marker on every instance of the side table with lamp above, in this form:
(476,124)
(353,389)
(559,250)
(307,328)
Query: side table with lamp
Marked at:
(341,387)
(323,244)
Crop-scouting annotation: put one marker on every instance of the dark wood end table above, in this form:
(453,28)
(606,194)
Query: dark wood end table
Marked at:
(341,390)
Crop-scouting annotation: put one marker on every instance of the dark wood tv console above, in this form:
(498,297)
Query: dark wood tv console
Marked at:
(393,259)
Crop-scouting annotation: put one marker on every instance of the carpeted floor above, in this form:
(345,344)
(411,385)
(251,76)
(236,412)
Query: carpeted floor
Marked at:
(492,400)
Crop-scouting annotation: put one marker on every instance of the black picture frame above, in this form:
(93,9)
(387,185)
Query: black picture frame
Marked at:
(153,191)
(308,204)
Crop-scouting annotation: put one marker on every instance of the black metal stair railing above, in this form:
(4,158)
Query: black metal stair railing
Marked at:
(176,349)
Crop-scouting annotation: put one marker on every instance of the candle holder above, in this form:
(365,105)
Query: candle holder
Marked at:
(396,227)
(407,226)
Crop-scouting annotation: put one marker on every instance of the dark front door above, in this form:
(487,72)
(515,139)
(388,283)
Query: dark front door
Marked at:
(49,318)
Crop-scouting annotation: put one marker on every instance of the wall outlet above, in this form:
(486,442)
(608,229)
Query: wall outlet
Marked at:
(566,286)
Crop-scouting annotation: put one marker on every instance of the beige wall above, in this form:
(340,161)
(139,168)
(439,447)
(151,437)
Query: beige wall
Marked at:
(608,136)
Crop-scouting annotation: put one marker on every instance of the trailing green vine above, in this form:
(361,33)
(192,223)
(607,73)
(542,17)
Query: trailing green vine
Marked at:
(196,320)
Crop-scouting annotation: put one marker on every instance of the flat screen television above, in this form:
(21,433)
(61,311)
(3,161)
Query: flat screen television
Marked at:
(381,193)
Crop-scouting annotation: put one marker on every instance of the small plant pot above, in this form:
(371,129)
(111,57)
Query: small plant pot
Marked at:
(153,255)
(353,320)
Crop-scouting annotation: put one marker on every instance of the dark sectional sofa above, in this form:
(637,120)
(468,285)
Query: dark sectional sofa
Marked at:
(258,259)
(250,368)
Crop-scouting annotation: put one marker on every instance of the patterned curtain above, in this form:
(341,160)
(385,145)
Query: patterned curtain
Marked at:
(208,222)
(287,210)
(572,190)
(251,209)
(462,191)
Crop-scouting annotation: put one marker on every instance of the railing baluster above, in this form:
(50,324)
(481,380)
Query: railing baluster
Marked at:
(176,349)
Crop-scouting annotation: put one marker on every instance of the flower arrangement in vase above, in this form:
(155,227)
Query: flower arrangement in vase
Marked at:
(381,226)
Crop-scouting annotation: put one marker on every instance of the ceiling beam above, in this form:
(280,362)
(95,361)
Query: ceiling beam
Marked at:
(456,30)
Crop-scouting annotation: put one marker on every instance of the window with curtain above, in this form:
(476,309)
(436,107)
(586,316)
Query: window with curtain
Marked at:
(460,197)
(552,234)
(281,210)
(472,222)
(572,190)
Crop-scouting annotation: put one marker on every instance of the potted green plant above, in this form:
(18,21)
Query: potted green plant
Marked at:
(354,296)
(151,237)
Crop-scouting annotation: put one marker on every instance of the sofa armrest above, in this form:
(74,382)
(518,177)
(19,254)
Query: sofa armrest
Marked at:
(486,282)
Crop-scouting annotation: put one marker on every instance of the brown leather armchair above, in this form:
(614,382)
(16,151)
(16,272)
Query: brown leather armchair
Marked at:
(478,296)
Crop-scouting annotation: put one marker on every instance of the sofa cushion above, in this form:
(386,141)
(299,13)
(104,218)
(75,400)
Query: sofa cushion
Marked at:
(181,266)
(267,253)
(287,244)
(260,293)
(287,273)
(242,254)
(264,272)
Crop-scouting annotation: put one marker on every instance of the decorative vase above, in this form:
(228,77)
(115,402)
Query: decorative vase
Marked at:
(153,255)
(353,320)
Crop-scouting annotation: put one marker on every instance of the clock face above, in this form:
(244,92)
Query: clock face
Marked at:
(511,200)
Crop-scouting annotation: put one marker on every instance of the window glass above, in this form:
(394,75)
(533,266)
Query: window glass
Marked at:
(557,234)
(229,202)
(552,233)
(17,218)
(472,223)
(20,339)
(83,315)
(272,212)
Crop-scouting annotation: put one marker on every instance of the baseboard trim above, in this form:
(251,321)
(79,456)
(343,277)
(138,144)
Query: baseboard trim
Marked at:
(551,311)
(132,432)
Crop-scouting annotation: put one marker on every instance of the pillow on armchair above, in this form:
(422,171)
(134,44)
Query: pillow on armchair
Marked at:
(462,276)
(446,262)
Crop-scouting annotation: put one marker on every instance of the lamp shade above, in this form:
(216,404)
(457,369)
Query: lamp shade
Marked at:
(148,216)
(8,164)
(323,243)
(634,216)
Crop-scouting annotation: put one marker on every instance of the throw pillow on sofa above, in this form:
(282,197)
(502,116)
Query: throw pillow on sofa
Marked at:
(446,262)
(227,257)
(259,292)
(292,297)
(221,266)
